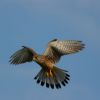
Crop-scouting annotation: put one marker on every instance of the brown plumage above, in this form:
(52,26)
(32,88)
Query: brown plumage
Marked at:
(49,73)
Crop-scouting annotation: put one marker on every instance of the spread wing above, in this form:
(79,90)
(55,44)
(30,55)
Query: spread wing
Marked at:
(21,56)
(57,48)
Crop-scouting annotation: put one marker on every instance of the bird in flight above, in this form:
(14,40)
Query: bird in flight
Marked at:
(49,75)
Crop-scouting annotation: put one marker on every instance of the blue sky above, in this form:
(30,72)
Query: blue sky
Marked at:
(35,22)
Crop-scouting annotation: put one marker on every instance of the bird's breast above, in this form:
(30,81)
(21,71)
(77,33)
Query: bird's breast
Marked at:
(44,62)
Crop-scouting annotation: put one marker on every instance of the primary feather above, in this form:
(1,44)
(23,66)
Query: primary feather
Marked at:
(57,48)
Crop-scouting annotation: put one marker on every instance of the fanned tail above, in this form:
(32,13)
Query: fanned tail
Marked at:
(52,78)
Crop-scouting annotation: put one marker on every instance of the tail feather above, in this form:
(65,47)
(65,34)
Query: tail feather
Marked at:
(51,80)
(38,74)
(47,81)
(56,81)
(54,78)
(61,76)
(43,79)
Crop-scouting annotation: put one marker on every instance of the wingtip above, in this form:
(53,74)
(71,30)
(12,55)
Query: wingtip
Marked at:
(54,40)
(24,46)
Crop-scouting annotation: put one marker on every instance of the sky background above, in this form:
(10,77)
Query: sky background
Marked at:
(35,22)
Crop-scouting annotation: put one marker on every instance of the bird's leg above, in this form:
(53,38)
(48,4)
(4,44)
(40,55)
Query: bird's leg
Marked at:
(49,73)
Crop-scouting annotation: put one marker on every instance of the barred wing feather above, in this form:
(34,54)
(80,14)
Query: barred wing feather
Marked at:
(57,48)
(21,56)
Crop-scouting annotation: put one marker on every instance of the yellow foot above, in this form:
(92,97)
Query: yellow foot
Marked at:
(49,74)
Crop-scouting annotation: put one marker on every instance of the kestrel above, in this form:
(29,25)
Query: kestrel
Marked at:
(49,75)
